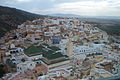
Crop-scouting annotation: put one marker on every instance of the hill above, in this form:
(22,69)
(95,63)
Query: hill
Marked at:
(11,17)
(65,15)
(111,26)
(81,16)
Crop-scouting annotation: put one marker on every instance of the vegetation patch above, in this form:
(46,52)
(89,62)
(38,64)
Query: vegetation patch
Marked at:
(2,72)
(10,63)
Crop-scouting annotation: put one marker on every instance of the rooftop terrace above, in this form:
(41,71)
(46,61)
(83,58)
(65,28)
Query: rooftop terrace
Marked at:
(41,49)
(51,56)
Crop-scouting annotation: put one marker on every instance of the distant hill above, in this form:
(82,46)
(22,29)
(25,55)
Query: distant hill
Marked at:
(64,15)
(110,24)
(11,17)
(80,16)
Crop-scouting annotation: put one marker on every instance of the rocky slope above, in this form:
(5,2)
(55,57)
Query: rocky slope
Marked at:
(11,17)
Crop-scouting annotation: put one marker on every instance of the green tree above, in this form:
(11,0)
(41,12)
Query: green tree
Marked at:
(2,72)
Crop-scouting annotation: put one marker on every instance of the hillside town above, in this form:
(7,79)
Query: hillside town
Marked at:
(59,48)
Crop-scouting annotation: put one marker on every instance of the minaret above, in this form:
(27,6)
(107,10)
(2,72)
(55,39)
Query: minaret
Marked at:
(12,46)
(70,48)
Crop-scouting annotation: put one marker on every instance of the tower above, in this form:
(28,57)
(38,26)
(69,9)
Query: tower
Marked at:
(70,48)
(12,46)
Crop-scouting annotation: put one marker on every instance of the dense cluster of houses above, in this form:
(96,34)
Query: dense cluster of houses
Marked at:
(56,48)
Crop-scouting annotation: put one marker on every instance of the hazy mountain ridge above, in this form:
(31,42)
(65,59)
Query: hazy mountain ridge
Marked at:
(80,16)
(64,15)
(11,17)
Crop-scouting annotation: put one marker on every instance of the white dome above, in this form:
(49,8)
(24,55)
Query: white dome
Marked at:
(12,46)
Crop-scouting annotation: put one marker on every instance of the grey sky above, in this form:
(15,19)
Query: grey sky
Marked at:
(80,7)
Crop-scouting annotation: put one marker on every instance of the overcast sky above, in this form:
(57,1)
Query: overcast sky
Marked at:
(79,7)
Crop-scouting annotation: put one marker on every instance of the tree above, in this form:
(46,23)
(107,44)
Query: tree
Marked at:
(2,72)
(23,60)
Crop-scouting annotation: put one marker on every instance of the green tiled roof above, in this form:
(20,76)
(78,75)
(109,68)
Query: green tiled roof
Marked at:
(34,49)
(37,50)
(53,55)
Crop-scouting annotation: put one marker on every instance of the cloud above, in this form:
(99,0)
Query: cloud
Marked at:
(80,7)
(12,2)
(52,0)
(24,0)
(90,7)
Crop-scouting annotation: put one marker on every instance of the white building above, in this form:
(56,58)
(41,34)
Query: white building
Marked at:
(59,72)
(92,48)
(12,46)
(54,29)
(94,30)
(28,65)
(36,57)
(63,45)
(117,44)
(15,51)
(44,77)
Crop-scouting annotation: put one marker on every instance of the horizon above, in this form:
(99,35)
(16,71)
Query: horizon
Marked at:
(78,7)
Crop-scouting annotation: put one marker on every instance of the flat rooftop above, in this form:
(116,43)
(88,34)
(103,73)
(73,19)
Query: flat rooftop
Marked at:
(51,56)
(41,49)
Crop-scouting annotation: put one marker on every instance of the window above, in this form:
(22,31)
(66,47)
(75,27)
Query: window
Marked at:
(84,50)
(30,64)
